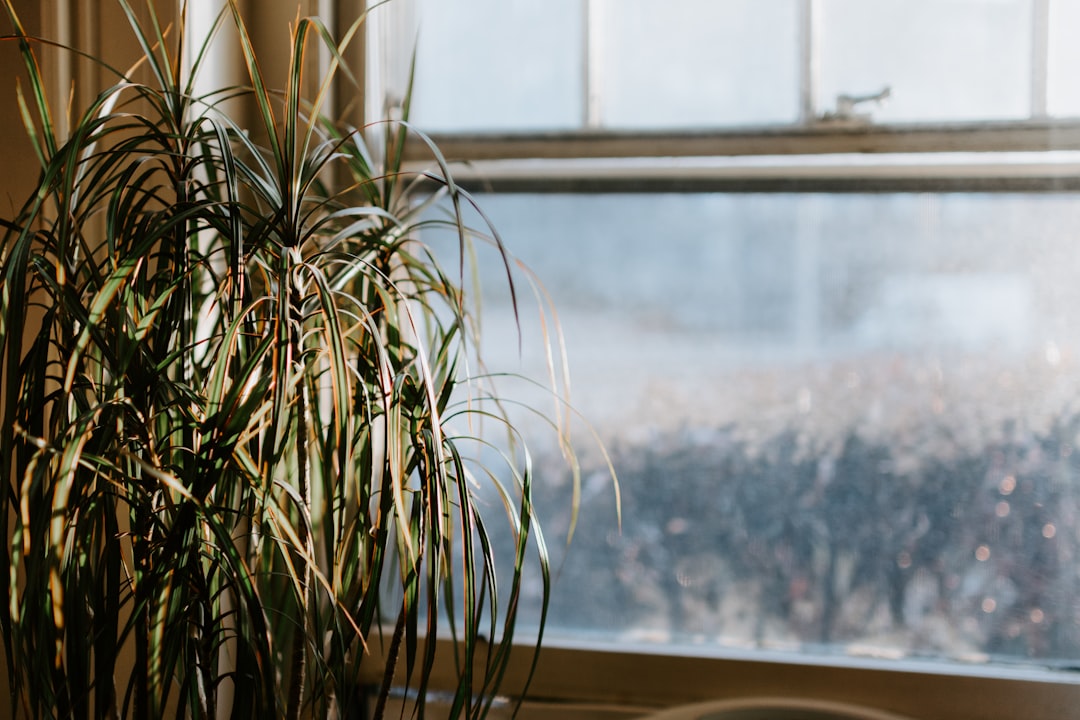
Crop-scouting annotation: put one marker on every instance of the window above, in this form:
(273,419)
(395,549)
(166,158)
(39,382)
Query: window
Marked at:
(814,260)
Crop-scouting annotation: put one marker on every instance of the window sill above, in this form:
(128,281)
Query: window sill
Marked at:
(581,681)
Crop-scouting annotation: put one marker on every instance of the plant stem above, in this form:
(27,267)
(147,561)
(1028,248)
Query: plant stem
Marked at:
(142,614)
(391,665)
(299,649)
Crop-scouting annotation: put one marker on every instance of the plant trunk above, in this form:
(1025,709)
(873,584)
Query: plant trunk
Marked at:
(299,645)
(391,666)
(142,616)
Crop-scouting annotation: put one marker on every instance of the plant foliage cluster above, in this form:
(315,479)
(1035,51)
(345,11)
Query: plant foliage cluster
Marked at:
(234,379)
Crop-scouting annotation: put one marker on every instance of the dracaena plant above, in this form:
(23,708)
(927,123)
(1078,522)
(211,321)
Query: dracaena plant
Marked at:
(230,365)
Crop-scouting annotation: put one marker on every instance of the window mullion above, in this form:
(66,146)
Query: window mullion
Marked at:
(592,54)
(809,59)
(1040,57)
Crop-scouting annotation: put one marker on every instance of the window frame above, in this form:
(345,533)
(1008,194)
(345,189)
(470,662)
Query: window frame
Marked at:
(584,679)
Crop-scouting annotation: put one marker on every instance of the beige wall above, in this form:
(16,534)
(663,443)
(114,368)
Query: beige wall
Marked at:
(20,166)
(68,21)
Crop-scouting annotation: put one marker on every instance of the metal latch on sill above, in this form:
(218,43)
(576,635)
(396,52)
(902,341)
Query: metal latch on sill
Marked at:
(847,106)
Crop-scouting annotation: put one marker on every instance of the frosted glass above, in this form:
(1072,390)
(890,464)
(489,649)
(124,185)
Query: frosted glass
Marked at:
(842,423)
(1063,82)
(496,65)
(685,63)
(943,59)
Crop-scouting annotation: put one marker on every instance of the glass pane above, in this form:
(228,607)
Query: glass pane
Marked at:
(496,65)
(942,59)
(684,63)
(1063,88)
(845,423)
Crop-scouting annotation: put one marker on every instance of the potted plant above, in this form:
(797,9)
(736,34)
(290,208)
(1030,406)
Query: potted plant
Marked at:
(233,380)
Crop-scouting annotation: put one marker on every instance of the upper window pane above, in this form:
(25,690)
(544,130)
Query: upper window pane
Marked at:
(686,63)
(1063,88)
(944,60)
(498,65)
(528,65)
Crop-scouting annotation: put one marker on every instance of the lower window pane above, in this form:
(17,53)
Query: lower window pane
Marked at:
(841,423)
